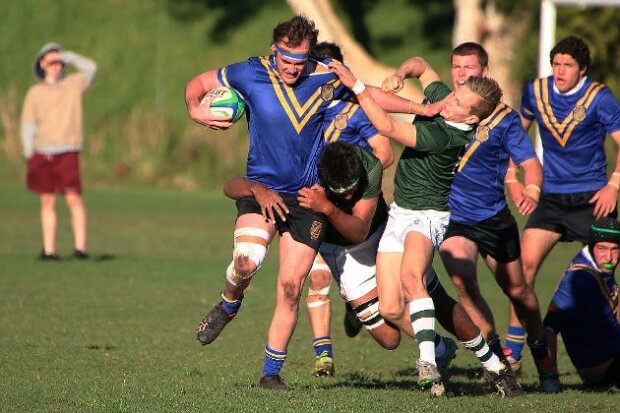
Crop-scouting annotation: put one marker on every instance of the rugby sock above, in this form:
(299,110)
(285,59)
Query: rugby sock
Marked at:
(422,315)
(496,347)
(489,360)
(515,340)
(274,359)
(541,357)
(231,307)
(440,346)
(323,344)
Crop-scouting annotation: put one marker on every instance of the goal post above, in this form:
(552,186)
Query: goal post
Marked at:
(547,37)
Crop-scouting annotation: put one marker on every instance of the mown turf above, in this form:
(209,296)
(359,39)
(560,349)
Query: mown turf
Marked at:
(116,333)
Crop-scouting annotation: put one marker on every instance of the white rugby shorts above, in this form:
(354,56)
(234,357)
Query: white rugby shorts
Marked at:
(429,222)
(353,267)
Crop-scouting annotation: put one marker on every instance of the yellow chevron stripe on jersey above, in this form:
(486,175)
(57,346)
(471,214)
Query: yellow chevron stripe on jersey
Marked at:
(298,115)
(335,128)
(562,131)
(486,126)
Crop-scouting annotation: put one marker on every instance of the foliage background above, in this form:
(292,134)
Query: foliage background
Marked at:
(136,127)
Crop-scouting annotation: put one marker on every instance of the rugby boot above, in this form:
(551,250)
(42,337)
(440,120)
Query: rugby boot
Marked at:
(272,382)
(515,364)
(212,324)
(505,382)
(324,366)
(429,378)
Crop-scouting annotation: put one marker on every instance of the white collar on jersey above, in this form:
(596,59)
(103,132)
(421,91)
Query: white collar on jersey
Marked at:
(460,126)
(574,90)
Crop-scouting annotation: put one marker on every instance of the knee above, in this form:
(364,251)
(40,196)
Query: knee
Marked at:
(291,292)
(391,312)
(518,293)
(320,279)
(389,342)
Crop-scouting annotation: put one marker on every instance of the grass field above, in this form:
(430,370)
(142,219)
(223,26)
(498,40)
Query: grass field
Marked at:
(116,333)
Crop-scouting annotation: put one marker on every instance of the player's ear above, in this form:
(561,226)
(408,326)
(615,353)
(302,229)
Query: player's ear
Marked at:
(273,48)
(472,119)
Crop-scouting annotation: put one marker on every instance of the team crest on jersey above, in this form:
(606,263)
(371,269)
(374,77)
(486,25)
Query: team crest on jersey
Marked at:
(315,230)
(327,92)
(482,133)
(341,121)
(579,113)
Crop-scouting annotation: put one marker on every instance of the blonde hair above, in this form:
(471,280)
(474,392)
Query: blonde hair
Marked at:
(490,95)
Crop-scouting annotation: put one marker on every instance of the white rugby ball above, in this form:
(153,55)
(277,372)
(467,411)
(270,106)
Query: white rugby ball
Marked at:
(227,102)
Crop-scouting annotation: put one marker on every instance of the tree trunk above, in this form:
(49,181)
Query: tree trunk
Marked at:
(369,70)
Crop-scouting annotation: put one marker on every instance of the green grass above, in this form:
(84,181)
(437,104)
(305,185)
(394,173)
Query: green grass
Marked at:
(116,333)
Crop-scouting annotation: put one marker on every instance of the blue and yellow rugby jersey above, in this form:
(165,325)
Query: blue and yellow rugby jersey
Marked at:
(585,296)
(347,122)
(573,127)
(285,122)
(477,192)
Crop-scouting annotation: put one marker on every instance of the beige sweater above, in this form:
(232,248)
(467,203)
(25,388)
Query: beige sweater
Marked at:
(56,111)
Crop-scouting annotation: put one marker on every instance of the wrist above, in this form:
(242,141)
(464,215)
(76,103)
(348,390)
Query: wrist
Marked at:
(358,87)
(533,191)
(614,180)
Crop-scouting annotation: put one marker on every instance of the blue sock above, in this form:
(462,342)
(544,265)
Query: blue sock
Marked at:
(515,340)
(323,344)
(231,307)
(274,360)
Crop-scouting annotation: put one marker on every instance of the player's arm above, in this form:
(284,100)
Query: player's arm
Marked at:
(414,67)
(397,130)
(194,91)
(525,196)
(606,198)
(355,226)
(271,202)
(525,122)
(28,126)
(382,149)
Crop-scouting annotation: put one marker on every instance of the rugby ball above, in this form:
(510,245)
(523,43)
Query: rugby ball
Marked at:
(227,102)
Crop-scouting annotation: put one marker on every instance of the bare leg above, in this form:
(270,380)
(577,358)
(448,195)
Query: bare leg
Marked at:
(78,219)
(49,222)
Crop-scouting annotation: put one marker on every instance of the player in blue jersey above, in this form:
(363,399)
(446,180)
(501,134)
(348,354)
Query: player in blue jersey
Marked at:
(287,95)
(346,122)
(574,114)
(585,309)
(480,221)
(419,215)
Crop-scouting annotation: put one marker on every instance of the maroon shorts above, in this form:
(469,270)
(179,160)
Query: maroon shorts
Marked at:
(54,173)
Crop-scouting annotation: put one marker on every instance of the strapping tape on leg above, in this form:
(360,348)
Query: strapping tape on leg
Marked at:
(251,243)
(368,314)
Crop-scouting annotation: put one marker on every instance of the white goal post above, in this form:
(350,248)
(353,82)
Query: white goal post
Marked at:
(547,36)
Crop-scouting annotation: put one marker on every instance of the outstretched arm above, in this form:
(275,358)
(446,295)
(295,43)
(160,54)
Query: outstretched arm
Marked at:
(400,131)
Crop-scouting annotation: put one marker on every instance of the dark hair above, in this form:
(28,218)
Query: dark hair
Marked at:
(339,165)
(297,29)
(490,94)
(327,49)
(575,47)
(469,48)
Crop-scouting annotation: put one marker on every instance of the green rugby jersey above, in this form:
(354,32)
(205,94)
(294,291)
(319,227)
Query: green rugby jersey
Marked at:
(369,187)
(424,173)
